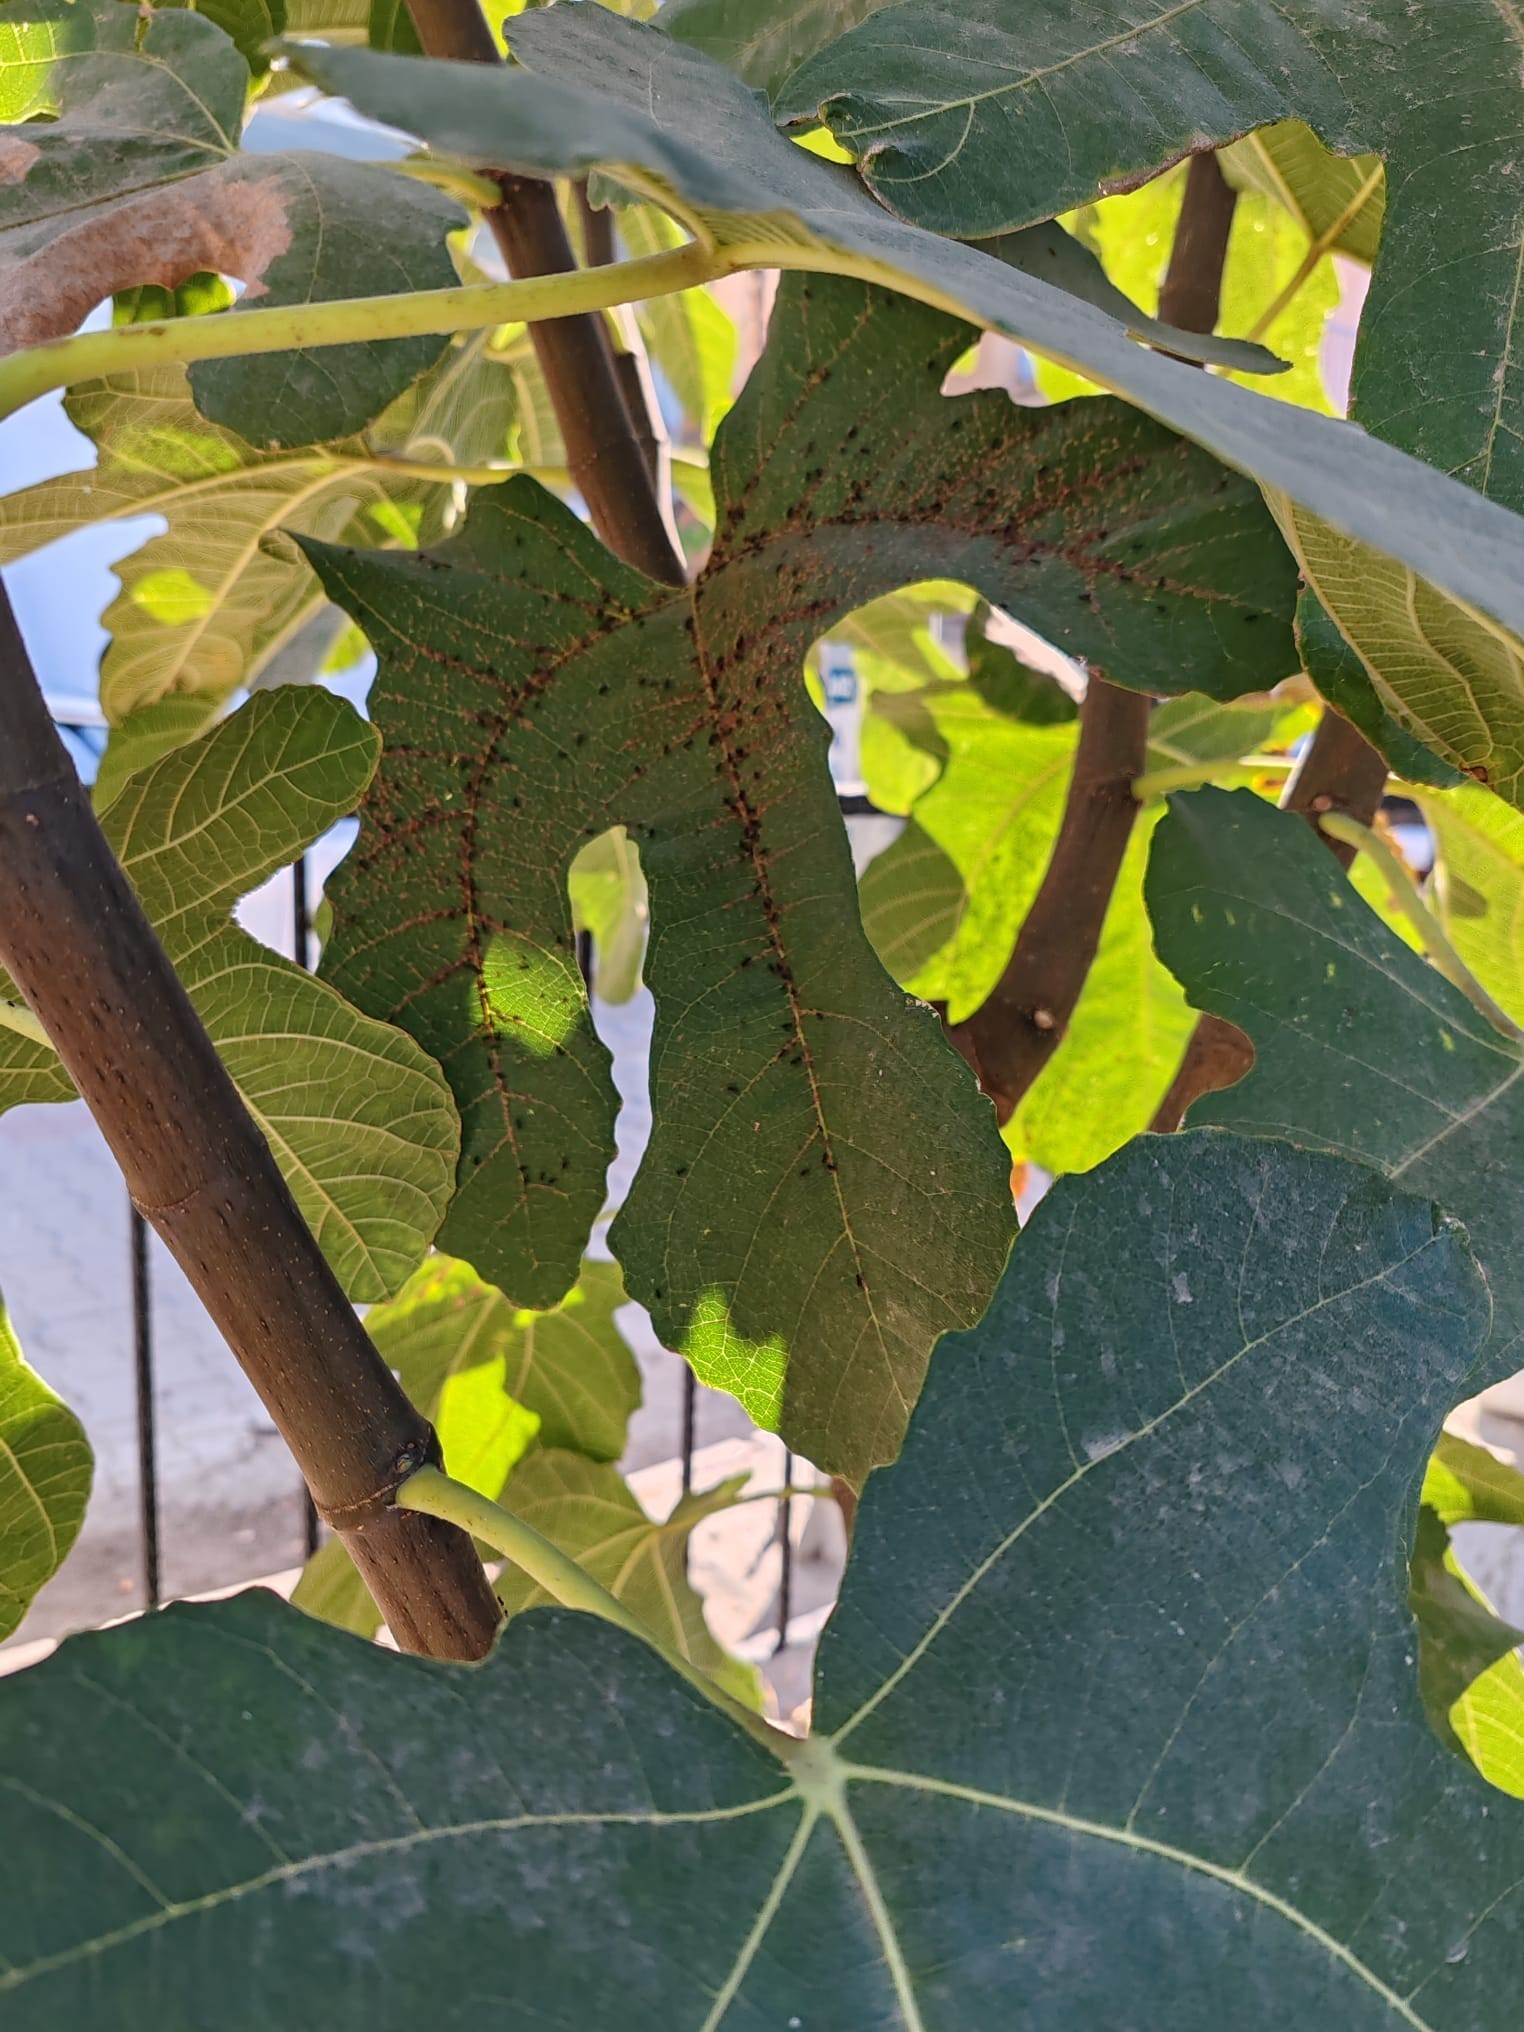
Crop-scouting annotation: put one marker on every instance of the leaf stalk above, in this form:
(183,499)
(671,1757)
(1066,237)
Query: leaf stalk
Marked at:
(1191,775)
(437,1495)
(1435,939)
(352,320)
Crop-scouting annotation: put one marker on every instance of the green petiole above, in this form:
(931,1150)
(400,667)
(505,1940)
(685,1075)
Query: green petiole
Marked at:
(228,334)
(560,1576)
(1436,941)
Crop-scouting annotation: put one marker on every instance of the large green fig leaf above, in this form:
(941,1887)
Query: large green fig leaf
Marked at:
(1061,1776)
(45,1468)
(1360,1046)
(823,1192)
(359,1120)
(132,174)
(610,93)
(976,116)
(207,603)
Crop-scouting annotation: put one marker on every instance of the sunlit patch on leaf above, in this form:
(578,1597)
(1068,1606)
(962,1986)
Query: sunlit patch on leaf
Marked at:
(752,1370)
(171,596)
(533,991)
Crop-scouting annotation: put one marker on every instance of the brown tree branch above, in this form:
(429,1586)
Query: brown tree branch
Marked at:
(1012,1036)
(603,451)
(595,223)
(595,229)
(1340,771)
(1190,296)
(75,941)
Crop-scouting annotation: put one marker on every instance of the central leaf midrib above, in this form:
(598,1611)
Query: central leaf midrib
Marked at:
(751,835)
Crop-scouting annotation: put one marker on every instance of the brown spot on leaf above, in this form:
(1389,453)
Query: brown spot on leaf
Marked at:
(16,157)
(231,224)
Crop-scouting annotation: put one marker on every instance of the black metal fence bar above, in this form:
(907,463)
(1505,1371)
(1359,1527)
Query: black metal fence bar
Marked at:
(690,1419)
(785,1555)
(301,952)
(148,1461)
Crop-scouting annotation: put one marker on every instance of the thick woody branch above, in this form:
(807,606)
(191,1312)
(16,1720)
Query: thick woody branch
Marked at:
(1011,1038)
(1340,772)
(75,941)
(1190,296)
(603,449)
(595,229)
